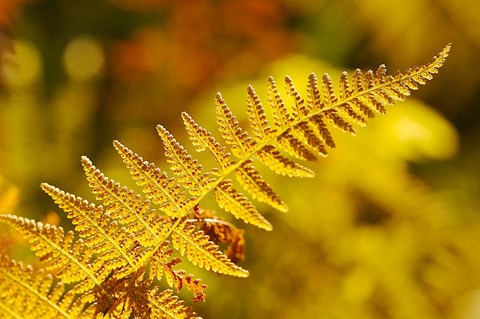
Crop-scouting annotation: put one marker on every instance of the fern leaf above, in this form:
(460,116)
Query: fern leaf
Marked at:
(123,205)
(29,293)
(188,171)
(254,184)
(318,125)
(202,252)
(239,206)
(257,118)
(281,164)
(281,116)
(314,99)
(300,109)
(203,140)
(241,144)
(126,245)
(162,265)
(157,186)
(306,135)
(99,231)
(58,250)
(165,305)
(294,147)
(220,231)
(308,126)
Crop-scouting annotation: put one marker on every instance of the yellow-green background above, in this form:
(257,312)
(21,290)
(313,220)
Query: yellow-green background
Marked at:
(388,228)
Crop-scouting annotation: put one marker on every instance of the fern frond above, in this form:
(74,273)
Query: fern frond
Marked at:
(280,164)
(165,305)
(29,293)
(157,186)
(257,117)
(281,117)
(299,108)
(253,183)
(241,144)
(162,267)
(239,206)
(188,171)
(126,244)
(202,139)
(202,252)
(301,131)
(221,232)
(59,251)
(131,211)
(99,231)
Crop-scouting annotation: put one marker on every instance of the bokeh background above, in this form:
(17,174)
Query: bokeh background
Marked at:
(388,228)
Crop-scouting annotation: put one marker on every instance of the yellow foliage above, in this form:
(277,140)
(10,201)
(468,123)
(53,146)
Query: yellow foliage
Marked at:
(366,238)
(363,230)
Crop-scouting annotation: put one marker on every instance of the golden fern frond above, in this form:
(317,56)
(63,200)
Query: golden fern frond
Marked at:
(188,171)
(201,251)
(301,131)
(281,116)
(202,139)
(59,251)
(157,186)
(221,232)
(253,183)
(257,117)
(240,142)
(115,247)
(280,164)
(125,245)
(165,305)
(162,266)
(239,206)
(130,210)
(30,293)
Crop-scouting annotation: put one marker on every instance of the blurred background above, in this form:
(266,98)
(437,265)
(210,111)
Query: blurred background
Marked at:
(388,228)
